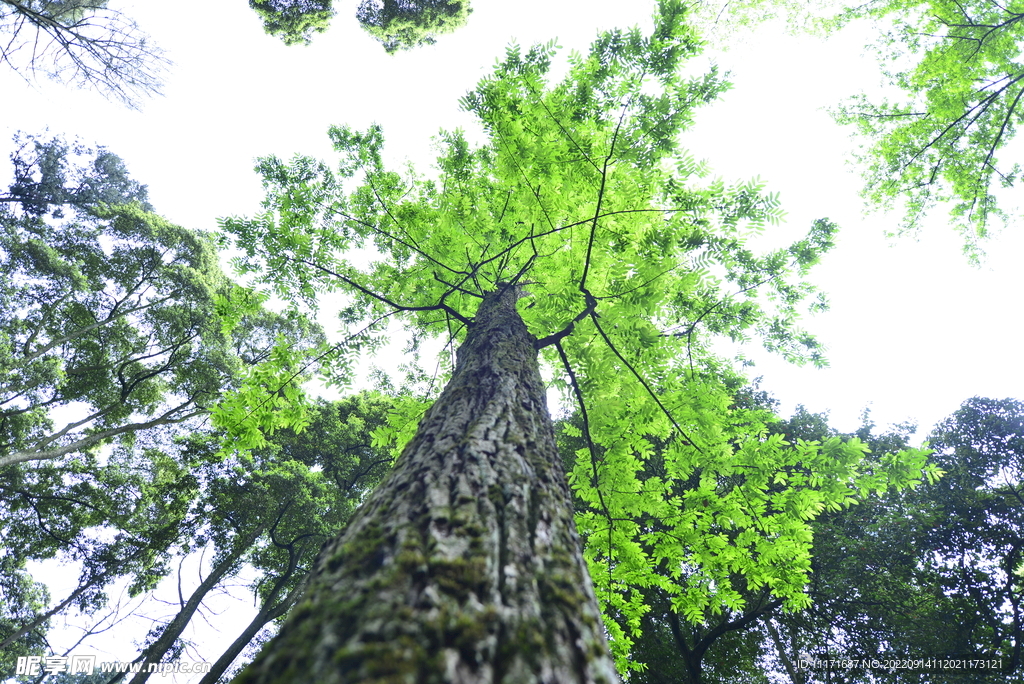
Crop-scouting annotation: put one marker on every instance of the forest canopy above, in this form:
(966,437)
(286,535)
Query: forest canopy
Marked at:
(562,477)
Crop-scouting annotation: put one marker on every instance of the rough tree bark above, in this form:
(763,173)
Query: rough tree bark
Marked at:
(464,566)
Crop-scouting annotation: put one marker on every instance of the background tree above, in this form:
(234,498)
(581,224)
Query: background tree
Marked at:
(929,571)
(976,534)
(294,21)
(81,43)
(405,24)
(113,326)
(575,232)
(116,311)
(270,510)
(52,175)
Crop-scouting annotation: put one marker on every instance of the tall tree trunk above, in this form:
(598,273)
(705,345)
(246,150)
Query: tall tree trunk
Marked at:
(795,675)
(153,654)
(464,566)
(269,611)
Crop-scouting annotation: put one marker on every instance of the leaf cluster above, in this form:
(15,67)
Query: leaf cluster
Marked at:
(406,24)
(294,21)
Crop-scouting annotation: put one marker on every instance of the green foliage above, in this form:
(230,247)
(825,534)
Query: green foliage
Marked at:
(730,540)
(119,313)
(630,264)
(396,24)
(51,174)
(266,400)
(859,560)
(23,600)
(958,66)
(928,570)
(107,312)
(865,595)
(405,24)
(294,21)
(720,22)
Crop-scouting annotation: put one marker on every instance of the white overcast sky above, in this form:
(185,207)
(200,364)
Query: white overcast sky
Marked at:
(913,329)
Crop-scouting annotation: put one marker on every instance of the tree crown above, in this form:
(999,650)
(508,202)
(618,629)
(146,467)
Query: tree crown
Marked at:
(631,264)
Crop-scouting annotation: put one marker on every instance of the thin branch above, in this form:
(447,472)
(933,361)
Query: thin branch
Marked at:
(102,48)
(555,338)
(591,448)
(600,199)
(370,293)
(643,382)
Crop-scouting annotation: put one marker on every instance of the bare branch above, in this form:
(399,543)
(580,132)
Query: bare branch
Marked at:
(89,46)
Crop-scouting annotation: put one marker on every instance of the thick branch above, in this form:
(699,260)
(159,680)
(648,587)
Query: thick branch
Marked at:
(96,437)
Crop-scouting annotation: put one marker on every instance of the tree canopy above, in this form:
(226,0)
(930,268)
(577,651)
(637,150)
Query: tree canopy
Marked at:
(395,24)
(51,175)
(405,24)
(630,264)
(294,21)
(114,310)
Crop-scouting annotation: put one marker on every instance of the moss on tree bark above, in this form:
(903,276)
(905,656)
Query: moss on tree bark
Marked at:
(464,566)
